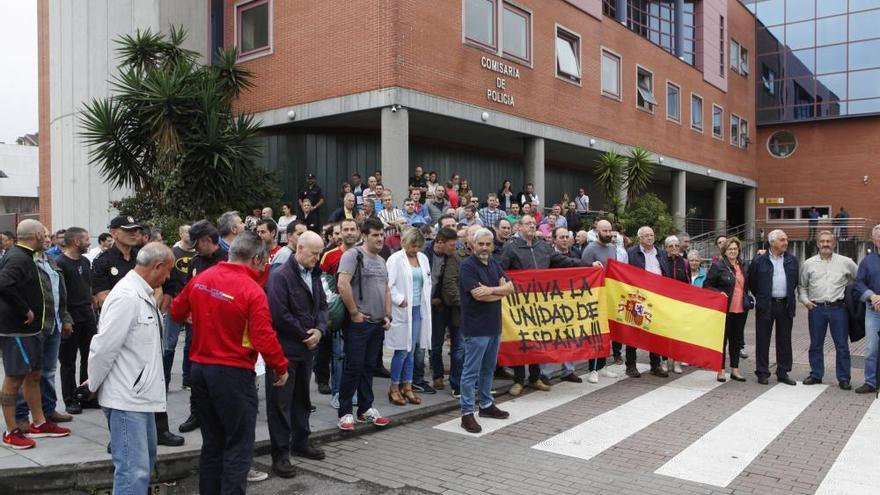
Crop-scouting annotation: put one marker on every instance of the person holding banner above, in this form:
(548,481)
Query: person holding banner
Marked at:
(773,279)
(729,275)
(676,268)
(597,254)
(527,252)
(482,284)
(647,257)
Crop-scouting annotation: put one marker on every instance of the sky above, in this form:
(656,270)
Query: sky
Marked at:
(18,69)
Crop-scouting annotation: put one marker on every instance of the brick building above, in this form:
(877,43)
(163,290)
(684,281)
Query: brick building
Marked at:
(526,90)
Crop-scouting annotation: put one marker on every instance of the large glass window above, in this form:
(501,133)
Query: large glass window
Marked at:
(517,33)
(800,35)
(482,19)
(655,21)
(696,113)
(831,30)
(610,74)
(830,59)
(781,144)
(568,55)
(479,22)
(864,55)
(864,25)
(673,102)
(254,29)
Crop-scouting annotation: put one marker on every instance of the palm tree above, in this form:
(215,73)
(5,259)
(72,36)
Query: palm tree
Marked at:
(639,172)
(609,170)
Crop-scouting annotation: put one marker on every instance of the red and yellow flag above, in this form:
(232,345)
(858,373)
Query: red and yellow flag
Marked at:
(554,316)
(665,316)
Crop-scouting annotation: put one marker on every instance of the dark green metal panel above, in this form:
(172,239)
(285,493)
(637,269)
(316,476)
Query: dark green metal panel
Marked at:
(485,172)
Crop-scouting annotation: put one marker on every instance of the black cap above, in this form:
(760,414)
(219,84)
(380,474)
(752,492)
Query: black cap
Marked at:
(125,223)
(310,176)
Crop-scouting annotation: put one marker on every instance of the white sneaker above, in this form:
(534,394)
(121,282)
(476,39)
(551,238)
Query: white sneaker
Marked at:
(372,415)
(346,423)
(663,367)
(676,368)
(254,475)
(334,401)
(593,377)
(606,373)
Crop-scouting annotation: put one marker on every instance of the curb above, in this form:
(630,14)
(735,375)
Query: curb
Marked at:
(98,475)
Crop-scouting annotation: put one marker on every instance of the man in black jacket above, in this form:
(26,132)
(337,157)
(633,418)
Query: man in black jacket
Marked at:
(773,279)
(649,258)
(299,314)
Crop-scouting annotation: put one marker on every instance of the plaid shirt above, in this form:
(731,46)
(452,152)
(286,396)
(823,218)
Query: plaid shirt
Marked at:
(491,217)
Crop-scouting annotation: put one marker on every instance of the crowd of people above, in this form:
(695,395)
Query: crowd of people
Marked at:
(294,298)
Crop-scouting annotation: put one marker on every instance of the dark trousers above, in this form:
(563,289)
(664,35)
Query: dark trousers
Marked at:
(226,403)
(734,326)
(820,318)
(777,314)
(287,409)
(78,342)
(596,364)
(630,358)
(616,347)
(439,317)
(322,360)
(519,373)
(363,341)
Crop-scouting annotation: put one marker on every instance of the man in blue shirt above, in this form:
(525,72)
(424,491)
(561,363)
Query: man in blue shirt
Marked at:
(868,289)
(482,284)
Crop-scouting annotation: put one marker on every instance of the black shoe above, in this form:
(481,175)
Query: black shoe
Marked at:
(324,388)
(812,380)
(844,386)
(456,393)
(283,469)
(313,408)
(381,372)
(470,424)
(763,380)
(544,380)
(424,387)
(493,412)
(169,439)
(737,378)
(572,378)
(74,408)
(786,380)
(191,423)
(866,389)
(633,372)
(742,354)
(659,372)
(503,374)
(309,452)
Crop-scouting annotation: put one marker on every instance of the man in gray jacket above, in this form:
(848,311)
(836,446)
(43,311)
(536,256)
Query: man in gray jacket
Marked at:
(125,367)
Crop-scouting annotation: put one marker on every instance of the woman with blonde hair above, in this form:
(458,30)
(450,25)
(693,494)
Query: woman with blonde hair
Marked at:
(409,278)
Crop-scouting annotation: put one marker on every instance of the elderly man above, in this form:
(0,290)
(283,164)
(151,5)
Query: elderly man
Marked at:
(868,289)
(773,278)
(229,225)
(648,258)
(482,285)
(22,336)
(231,325)
(125,367)
(299,314)
(347,210)
(823,282)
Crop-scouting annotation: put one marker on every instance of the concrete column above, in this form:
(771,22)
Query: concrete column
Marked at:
(534,166)
(620,13)
(720,202)
(395,152)
(678,31)
(679,208)
(749,200)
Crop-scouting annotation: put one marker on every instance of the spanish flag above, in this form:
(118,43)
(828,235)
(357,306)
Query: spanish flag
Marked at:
(665,316)
(554,316)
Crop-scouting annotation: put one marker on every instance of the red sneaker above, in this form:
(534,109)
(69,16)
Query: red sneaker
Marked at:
(17,440)
(346,423)
(48,429)
(372,416)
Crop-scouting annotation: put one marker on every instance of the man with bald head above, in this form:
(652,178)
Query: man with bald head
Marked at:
(597,254)
(299,315)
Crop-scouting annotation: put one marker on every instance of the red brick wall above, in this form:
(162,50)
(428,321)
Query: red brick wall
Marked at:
(332,48)
(827,167)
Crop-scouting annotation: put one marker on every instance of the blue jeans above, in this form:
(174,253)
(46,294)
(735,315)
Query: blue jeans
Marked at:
(564,369)
(337,360)
(172,334)
(480,357)
(363,342)
(402,361)
(456,355)
(872,326)
(51,345)
(133,444)
(820,318)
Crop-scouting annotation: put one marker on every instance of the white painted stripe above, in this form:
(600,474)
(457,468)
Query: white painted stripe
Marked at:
(593,437)
(856,468)
(535,403)
(723,453)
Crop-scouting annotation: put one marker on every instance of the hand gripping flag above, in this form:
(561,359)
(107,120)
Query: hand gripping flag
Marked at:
(665,316)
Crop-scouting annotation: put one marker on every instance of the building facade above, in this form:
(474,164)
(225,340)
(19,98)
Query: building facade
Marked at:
(526,90)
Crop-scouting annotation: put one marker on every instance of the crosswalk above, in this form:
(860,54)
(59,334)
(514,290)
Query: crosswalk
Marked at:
(717,457)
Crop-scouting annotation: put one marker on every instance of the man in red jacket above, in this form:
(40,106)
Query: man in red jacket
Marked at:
(231,324)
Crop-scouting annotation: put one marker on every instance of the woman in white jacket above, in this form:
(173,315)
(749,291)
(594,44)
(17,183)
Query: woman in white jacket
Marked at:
(409,277)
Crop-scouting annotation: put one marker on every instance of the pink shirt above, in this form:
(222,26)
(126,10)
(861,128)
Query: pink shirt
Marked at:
(736,305)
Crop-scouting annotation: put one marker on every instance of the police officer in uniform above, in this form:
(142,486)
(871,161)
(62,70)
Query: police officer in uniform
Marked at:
(110,268)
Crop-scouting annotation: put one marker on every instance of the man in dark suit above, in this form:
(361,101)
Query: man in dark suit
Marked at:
(773,278)
(652,259)
(299,315)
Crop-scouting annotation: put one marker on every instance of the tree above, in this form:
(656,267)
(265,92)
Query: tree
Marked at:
(648,209)
(169,133)
(639,172)
(609,172)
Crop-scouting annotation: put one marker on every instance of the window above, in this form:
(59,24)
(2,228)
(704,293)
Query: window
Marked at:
(734,55)
(673,102)
(656,22)
(568,55)
(253,28)
(781,144)
(739,58)
(499,27)
(779,213)
(479,23)
(768,80)
(645,90)
(743,61)
(717,122)
(696,112)
(734,129)
(610,74)
(744,133)
(721,45)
